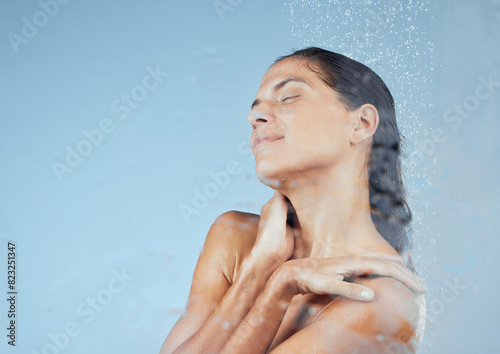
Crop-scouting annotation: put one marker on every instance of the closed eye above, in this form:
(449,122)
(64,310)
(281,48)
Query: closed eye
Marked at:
(288,98)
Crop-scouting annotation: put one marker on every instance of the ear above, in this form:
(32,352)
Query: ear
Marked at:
(364,123)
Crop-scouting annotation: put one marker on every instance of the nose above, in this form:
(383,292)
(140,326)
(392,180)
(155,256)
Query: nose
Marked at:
(260,116)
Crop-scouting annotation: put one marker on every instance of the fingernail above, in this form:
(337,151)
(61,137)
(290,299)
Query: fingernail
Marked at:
(367,295)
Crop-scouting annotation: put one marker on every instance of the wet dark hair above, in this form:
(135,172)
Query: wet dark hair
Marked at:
(357,84)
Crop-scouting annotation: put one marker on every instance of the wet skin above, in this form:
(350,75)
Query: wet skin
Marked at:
(306,148)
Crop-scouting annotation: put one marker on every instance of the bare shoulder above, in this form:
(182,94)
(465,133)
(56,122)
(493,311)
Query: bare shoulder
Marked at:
(394,319)
(403,309)
(225,244)
(237,221)
(237,225)
(239,231)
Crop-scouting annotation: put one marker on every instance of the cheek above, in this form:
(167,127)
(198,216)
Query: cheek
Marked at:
(320,140)
(311,129)
(288,114)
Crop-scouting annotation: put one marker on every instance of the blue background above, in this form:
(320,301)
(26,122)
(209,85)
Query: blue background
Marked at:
(118,210)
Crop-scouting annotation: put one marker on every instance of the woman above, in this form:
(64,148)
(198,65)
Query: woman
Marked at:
(321,269)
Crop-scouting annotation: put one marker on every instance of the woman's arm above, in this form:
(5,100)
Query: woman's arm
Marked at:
(256,331)
(390,323)
(322,276)
(231,310)
(218,314)
(213,274)
(246,316)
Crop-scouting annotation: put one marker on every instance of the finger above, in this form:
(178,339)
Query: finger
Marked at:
(355,265)
(322,284)
(400,272)
(391,269)
(380,255)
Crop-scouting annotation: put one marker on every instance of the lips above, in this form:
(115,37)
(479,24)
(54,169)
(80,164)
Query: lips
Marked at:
(263,138)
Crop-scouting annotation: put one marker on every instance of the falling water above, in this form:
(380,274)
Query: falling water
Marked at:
(391,37)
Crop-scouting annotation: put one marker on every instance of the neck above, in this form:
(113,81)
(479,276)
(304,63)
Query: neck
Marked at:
(333,212)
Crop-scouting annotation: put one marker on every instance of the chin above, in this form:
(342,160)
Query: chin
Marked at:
(269,172)
(274,173)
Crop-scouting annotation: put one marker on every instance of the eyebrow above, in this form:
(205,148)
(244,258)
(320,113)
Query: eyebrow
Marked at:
(279,86)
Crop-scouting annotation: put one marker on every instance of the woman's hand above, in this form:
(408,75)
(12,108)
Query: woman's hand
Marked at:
(326,275)
(275,240)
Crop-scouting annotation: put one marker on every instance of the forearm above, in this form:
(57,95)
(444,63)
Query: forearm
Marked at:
(259,327)
(231,310)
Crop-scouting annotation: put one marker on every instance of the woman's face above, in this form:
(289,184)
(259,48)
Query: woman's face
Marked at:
(298,122)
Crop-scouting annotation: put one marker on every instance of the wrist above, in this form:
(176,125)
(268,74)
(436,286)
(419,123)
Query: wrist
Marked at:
(254,273)
(264,261)
(280,287)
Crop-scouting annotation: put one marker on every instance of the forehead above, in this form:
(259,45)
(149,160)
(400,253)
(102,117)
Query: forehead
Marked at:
(289,67)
